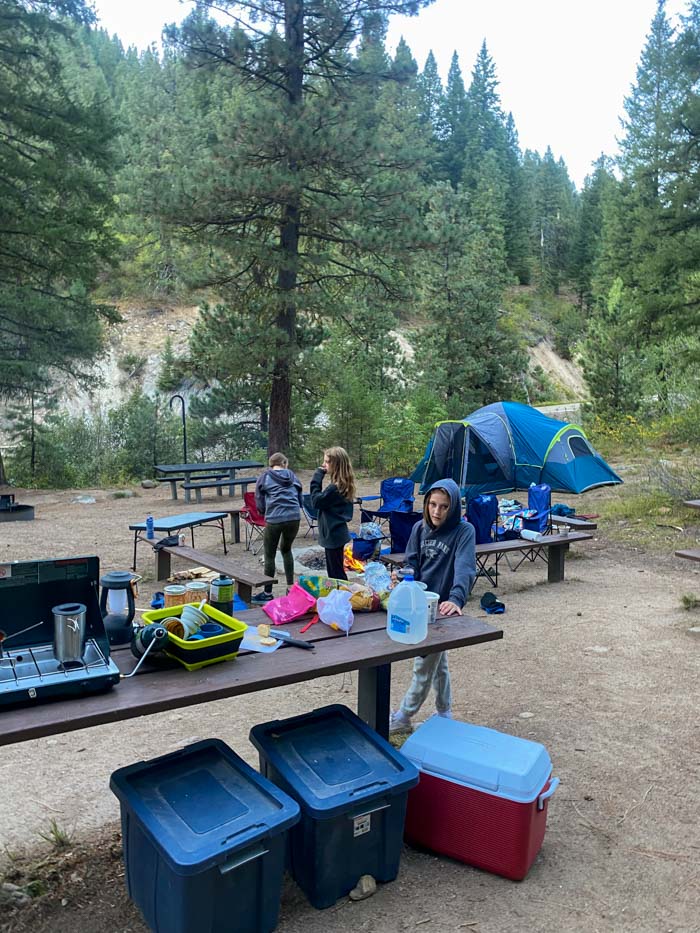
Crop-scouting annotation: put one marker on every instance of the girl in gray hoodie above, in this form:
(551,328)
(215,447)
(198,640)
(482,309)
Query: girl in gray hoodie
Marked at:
(442,553)
(278,498)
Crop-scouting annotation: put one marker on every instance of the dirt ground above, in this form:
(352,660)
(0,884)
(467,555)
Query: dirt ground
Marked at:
(602,669)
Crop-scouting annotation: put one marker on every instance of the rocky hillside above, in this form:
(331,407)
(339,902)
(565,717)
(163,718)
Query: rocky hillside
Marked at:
(135,351)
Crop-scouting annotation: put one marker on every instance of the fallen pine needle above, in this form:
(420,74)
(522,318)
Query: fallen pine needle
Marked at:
(635,805)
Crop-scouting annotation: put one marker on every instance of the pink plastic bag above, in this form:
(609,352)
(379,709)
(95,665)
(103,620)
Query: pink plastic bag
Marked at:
(295,604)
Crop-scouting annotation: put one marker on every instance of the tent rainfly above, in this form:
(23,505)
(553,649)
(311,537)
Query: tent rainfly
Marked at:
(507,446)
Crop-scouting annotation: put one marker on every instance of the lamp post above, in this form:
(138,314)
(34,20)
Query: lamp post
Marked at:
(184,425)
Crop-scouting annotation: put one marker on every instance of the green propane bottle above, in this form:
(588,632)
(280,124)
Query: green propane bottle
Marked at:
(221,594)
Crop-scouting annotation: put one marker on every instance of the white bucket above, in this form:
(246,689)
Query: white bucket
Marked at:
(433,602)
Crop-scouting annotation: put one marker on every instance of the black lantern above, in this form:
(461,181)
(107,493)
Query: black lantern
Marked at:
(117,605)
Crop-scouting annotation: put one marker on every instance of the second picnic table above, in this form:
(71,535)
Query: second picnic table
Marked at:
(210,472)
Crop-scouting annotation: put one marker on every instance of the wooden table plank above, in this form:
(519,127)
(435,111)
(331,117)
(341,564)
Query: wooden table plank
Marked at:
(153,690)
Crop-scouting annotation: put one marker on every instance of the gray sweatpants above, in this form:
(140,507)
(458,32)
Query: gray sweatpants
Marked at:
(430,671)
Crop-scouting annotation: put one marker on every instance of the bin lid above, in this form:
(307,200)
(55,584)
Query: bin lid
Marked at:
(332,760)
(201,803)
(481,758)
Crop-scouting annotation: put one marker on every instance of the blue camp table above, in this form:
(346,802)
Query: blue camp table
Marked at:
(172,524)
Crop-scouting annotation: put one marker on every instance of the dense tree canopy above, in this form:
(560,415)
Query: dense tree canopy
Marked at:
(353,229)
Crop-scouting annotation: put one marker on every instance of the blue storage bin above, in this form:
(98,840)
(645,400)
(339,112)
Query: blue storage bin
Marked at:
(352,788)
(204,840)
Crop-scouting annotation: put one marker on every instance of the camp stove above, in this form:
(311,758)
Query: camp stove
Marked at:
(29,667)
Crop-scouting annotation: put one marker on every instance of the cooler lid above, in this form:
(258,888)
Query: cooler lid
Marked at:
(481,758)
(332,760)
(200,804)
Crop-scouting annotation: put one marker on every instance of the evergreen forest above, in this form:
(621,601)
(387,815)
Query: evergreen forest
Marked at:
(369,247)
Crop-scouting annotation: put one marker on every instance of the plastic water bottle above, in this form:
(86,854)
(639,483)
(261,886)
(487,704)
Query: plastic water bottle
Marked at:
(407,612)
(149,527)
(531,535)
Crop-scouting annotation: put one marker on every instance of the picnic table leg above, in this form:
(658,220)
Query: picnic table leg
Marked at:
(133,566)
(173,489)
(235,528)
(163,564)
(373,697)
(555,562)
(244,590)
(220,523)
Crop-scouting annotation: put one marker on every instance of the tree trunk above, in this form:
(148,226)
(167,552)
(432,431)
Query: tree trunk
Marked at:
(285,324)
(3,476)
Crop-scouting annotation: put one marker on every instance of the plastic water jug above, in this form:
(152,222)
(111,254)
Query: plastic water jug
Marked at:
(407,613)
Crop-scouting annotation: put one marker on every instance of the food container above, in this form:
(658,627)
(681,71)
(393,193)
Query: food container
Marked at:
(482,797)
(204,839)
(173,595)
(196,653)
(196,591)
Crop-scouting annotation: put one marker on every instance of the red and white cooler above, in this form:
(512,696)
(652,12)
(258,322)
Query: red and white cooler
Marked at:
(482,796)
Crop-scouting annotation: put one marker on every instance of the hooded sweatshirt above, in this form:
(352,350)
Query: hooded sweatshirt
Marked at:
(278,496)
(444,558)
(334,511)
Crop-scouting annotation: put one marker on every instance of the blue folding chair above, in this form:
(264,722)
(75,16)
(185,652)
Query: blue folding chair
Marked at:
(482,513)
(400,527)
(395,495)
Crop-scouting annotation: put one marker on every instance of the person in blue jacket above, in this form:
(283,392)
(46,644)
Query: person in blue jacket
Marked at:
(334,505)
(442,553)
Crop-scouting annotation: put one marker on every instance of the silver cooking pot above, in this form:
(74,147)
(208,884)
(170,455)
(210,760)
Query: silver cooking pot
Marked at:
(69,622)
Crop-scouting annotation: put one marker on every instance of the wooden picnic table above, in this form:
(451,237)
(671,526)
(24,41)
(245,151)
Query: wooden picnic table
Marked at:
(175,472)
(367,649)
(692,503)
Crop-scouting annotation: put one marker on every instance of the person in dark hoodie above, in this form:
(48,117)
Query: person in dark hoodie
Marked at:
(442,553)
(334,507)
(278,498)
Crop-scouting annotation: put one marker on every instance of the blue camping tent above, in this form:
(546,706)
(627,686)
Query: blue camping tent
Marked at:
(507,446)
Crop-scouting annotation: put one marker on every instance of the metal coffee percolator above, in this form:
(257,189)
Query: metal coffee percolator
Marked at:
(69,621)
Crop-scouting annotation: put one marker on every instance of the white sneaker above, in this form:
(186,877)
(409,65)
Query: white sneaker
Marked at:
(399,723)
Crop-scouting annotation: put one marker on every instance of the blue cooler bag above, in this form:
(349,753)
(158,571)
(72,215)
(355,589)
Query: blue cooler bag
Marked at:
(352,787)
(204,840)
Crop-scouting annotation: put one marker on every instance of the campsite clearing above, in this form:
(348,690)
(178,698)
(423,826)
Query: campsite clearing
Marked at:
(602,669)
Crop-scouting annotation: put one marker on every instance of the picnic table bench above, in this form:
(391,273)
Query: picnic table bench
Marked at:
(199,484)
(202,472)
(174,480)
(555,546)
(689,553)
(244,577)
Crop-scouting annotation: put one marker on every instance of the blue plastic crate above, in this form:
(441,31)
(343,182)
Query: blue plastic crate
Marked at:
(204,841)
(352,788)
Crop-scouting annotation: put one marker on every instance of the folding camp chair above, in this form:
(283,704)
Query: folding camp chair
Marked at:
(254,523)
(400,527)
(539,498)
(310,514)
(482,513)
(395,495)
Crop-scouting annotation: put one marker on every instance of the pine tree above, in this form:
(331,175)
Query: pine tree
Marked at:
(472,359)
(54,155)
(295,188)
(610,355)
(455,118)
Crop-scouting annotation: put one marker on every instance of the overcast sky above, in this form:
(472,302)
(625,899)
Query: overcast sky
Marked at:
(564,66)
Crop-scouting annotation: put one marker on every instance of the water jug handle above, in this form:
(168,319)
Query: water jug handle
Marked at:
(553,784)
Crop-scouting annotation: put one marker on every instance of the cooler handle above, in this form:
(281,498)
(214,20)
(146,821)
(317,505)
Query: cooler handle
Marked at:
(243,859)
(553,784)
